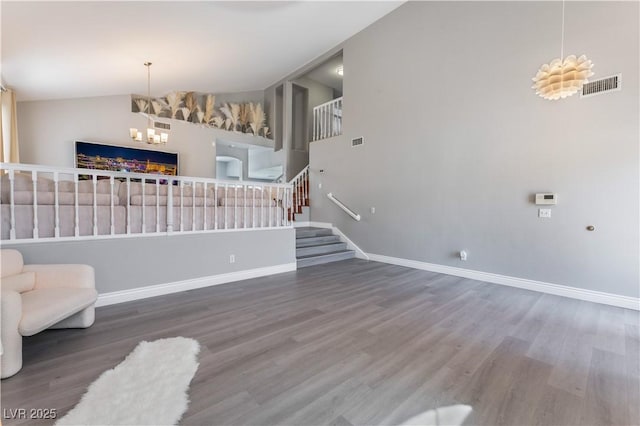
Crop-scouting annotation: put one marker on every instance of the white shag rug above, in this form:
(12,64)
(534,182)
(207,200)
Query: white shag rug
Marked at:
(148,388)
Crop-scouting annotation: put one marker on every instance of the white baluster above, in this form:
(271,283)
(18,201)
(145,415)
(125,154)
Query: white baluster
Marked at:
(253,206)
(34,178)
(331,119)
(226,204)
(278,217)
(339,116)
(315,124)
(181,205)
(128,205)
(235,208)
(157,205)
(300,194)
(193,205)
(95,204)
(288,198)
(77,208)
(113,223)
(204,204)
(244,208)
(269,206)
(215,206)
(262,206)
(56,202)
(143,185)
(326,121)
(170,205)
(12,231)
(305,177)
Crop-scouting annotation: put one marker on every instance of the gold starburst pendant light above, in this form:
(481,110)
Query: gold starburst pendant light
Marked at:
(562,77)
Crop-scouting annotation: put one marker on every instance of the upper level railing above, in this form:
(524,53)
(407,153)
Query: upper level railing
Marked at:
(327,119)
(40,203)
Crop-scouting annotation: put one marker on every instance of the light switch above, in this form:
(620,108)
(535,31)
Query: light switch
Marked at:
(544,212)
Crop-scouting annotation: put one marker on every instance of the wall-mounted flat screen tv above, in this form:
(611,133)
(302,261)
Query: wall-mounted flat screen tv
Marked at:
(124,159)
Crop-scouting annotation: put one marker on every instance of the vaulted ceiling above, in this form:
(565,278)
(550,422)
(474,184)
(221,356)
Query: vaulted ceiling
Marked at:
(53,50)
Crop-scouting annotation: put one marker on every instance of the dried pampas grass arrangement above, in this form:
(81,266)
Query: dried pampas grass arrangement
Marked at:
(217,121)
(228,116)
(208,108)
(257,118)
(174,100)
(158,106)
(191,102)
(186,113)
(141,104)
(245,117)
(235,116)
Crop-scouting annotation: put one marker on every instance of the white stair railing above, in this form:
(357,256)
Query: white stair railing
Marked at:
(346,209)
(300,187)
(45,203)
(327,119)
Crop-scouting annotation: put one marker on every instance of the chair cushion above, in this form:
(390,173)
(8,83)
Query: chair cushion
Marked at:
(20,282)
(45,307)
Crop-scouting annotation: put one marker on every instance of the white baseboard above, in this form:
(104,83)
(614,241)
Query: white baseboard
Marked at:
(539,286)
(360,254)
(122,296)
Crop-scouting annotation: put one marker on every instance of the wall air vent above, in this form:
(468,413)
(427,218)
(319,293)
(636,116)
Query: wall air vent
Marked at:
(163,126)
(602,85)
(357,141)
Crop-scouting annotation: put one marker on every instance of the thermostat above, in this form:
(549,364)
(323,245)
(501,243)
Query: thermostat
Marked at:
(547,198)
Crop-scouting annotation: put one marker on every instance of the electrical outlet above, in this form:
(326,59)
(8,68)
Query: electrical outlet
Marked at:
(463,255)
(373,210)
(232,258)
(544,213)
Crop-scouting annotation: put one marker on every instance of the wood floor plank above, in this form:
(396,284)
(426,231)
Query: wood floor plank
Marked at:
(633,372)
(360,343)
(606,397)
(571,369)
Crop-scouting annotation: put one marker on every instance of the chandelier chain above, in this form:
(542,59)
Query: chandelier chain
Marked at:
(562,37)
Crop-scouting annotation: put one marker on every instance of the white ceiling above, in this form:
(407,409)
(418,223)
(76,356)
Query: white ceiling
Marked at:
(53,50)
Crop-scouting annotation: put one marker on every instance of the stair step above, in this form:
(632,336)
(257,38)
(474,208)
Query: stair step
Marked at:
(315,241)
(312,232)
(320,249)
(325,258)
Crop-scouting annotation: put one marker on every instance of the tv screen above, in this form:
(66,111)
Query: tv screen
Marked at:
(124,159)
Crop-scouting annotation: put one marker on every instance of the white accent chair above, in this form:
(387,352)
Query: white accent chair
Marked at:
(37,297)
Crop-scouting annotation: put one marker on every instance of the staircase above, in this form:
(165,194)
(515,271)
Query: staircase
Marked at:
(315,246)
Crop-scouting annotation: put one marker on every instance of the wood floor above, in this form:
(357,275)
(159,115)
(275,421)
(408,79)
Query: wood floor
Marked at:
(361,343)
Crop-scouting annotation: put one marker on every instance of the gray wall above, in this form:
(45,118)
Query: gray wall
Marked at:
(48,129)
(318,95)
(456,142)
(262,159)
(241,154)
(127,263)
